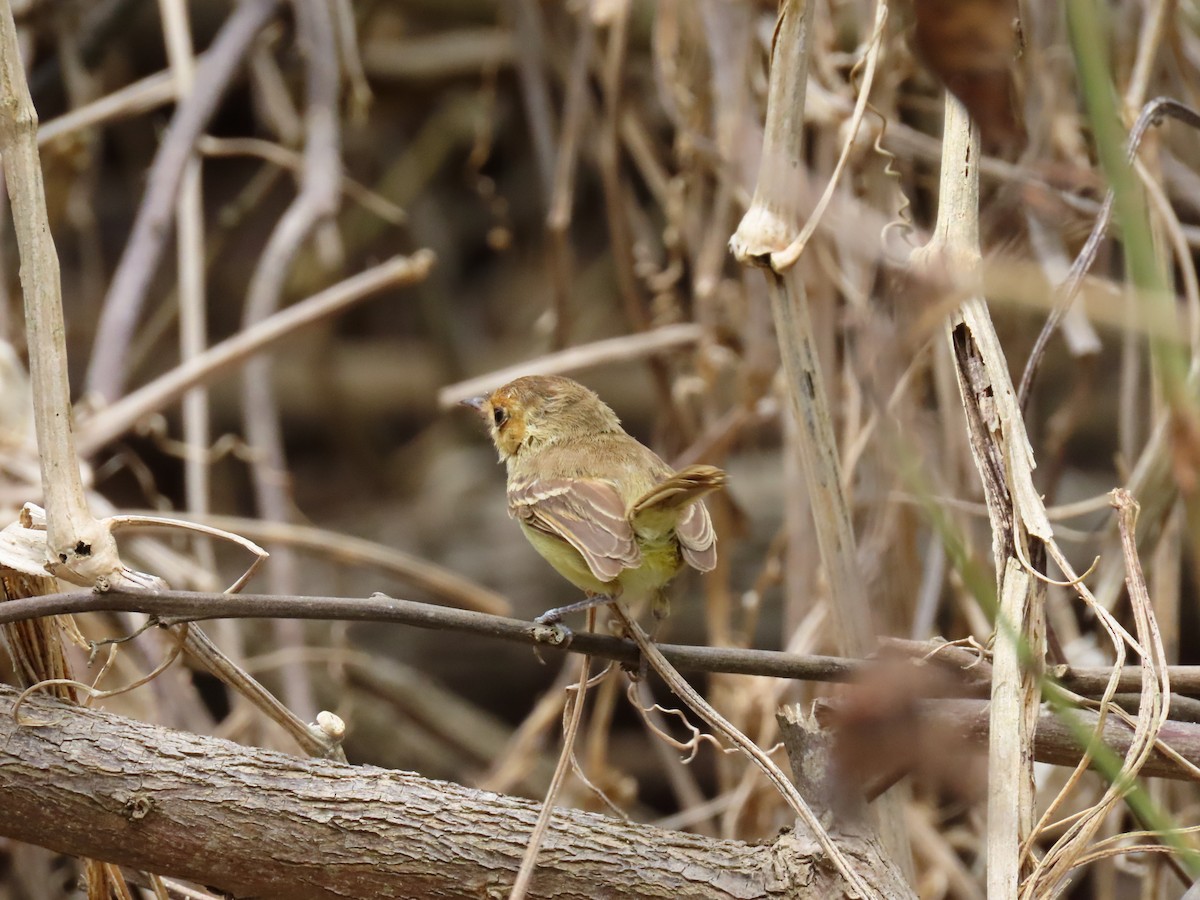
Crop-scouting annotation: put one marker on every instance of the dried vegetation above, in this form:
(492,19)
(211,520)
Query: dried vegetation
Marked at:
(293,235)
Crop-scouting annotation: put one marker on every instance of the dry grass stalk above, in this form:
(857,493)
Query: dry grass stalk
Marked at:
(766,228)
(78,548)
(315,205)
(1153,713)
(612,350)
(1005,462)
(657,122)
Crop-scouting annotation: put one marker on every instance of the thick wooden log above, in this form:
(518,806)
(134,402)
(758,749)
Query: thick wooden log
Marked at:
(259,823)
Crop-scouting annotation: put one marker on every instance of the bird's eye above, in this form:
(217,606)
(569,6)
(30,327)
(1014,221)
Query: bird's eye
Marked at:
(499,416)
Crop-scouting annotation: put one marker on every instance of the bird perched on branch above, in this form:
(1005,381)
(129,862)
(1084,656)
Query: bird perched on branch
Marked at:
(603,509)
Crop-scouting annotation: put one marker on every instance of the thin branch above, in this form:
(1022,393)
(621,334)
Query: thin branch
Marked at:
(531,73)
(289,159)
(199,606)
(610,350)
(445,585)
(127,293)
(313,740)
(134,99)
(317,202)
(877,867)
(115,420)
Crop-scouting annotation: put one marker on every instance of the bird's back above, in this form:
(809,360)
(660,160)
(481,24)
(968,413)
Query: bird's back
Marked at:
(615,457)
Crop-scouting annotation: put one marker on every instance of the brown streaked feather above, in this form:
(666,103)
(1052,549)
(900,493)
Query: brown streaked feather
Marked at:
(586,513)
(697,540)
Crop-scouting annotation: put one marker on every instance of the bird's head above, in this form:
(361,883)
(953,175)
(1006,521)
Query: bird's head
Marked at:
(541,409)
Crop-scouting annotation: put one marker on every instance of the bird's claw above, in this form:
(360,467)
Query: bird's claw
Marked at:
(548,630)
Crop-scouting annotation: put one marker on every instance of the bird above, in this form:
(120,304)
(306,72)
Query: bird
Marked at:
(602,508)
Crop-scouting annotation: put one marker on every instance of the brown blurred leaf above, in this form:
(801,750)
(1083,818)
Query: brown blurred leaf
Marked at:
(880,735)
(971,46)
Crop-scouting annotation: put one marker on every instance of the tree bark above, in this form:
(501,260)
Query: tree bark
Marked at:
(259,823)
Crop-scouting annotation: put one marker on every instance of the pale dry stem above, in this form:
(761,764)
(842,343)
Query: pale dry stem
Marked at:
(766,228)
(1005,462)
(559,203)
(78,548)
(192,289)
(782,260)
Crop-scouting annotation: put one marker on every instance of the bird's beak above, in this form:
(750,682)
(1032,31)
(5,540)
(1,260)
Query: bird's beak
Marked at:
(476,403)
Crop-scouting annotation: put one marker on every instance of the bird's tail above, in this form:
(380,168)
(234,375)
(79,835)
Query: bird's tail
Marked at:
(665,509)
(681,489)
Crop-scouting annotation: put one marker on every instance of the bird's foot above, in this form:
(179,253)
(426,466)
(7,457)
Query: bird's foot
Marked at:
(550,617)
(660,606)
(552,632)
(548,627)
(554,616)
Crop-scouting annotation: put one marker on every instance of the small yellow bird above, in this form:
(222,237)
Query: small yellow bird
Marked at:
(603,509)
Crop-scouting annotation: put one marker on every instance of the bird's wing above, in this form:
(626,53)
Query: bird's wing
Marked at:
(586,513)
(697,539)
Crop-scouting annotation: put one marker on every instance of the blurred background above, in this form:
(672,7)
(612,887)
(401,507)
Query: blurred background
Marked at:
(578,169)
